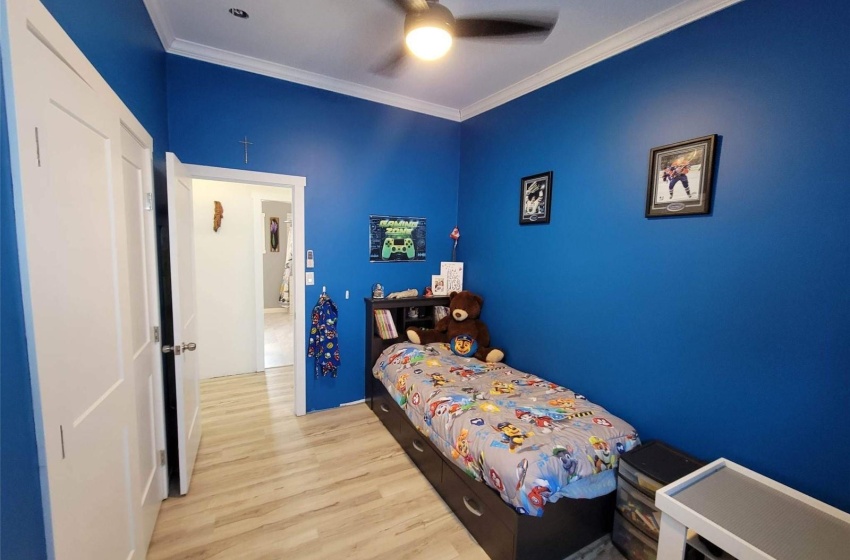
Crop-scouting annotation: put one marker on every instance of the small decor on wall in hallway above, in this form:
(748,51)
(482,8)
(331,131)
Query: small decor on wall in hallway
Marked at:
(535,199)
(218,214)
(274,234)
(396,239)
(680,177)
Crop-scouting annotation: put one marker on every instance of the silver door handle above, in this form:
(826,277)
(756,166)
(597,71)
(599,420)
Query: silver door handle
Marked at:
(190,347)
(167,349)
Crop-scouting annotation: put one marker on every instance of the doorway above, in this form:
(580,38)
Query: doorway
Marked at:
(278,301)
(232,288)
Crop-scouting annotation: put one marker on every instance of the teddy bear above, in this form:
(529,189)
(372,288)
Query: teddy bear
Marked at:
(461,328)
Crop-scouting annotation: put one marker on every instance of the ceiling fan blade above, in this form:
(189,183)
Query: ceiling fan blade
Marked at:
(410,5)
(495,27)
(391,66)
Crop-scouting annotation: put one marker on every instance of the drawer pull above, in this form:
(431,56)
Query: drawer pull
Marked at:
(417,446)
(472,507)
(384,407)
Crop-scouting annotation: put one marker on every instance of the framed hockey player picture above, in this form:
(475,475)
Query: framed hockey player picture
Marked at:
(680,178)
(535,199)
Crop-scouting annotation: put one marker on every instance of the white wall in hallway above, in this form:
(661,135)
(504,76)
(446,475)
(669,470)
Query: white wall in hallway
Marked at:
(224,267)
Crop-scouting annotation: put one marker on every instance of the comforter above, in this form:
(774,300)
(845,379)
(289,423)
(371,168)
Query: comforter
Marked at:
(531,440)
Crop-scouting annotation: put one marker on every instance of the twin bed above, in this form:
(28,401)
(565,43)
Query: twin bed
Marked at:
(527,465)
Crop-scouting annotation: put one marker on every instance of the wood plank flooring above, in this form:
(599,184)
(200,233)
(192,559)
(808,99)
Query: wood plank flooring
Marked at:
(332,484)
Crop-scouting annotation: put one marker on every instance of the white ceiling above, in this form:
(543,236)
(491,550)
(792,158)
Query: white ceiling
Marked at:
(333,44)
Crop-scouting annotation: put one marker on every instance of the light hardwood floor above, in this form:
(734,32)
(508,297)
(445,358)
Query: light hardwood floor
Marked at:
(279,339)
(332,484)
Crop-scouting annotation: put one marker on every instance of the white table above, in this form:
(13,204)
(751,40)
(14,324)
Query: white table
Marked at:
(749,516)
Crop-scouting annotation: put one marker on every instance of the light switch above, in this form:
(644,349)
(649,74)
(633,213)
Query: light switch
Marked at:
(310,278)
(310,261)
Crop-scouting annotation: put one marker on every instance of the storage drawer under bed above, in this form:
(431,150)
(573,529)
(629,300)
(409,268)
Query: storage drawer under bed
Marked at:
(413,442)
(480,517)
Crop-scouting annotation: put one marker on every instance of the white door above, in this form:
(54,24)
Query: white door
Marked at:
(72,235)
(152,481)
(181,236)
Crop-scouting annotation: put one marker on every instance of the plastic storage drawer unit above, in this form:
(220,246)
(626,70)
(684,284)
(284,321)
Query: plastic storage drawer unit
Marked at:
(639,509)
(631,542)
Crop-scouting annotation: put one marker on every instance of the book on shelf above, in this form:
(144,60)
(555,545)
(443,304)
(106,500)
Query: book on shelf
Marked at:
(385,324)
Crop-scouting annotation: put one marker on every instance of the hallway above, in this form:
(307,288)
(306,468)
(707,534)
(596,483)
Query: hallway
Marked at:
(279,341)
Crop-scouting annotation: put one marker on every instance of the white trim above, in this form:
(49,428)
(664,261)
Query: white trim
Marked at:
(297,184)
(649,29)
(655,26)
(298,76)
(160,22)
(358,401)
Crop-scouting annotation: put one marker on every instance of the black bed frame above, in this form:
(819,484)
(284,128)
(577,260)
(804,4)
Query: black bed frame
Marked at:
(566,526)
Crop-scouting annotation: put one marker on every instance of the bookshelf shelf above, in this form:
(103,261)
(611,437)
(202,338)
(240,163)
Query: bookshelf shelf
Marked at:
(398,310)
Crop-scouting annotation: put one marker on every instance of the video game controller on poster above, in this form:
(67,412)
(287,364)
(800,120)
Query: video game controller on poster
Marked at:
(398,245)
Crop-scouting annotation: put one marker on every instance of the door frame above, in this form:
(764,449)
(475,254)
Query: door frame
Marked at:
(297,184)
(258,221)
(16,17)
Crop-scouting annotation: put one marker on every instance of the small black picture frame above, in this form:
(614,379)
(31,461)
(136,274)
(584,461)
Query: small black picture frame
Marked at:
(535,199)
(680,178)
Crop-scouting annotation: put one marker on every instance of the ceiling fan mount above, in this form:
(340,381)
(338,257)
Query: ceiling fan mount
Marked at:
(430,29)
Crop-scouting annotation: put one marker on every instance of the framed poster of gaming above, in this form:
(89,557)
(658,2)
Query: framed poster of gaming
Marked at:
(394,239)
(680,177)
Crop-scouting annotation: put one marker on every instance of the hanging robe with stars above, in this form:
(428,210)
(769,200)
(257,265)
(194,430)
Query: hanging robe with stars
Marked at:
(323,345)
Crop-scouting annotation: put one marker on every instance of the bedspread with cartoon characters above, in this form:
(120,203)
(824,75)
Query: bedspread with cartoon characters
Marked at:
(531,440)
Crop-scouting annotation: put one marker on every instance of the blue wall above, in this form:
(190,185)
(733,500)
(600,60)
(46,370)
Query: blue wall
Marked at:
(119,39)
(359,158)
(725,335)
(21,520)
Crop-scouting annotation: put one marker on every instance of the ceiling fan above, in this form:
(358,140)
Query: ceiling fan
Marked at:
(430,27)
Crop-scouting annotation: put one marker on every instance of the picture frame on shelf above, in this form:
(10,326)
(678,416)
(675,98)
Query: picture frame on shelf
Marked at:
(680,178)
(535,199)
(439,286)
(453,273)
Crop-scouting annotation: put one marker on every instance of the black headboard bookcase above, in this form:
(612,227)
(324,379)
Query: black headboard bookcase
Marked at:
(423,316)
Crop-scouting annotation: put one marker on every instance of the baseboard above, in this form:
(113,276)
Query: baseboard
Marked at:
(276,310)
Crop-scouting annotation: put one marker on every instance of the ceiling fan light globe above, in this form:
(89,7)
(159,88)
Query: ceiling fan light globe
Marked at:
(428,43)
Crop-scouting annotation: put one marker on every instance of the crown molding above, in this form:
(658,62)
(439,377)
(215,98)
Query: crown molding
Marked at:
(657,25)
(160,23)
(303,77)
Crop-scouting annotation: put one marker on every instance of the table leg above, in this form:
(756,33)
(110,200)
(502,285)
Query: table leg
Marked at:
(672,540)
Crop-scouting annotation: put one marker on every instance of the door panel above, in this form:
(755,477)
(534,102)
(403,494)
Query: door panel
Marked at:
(144,315)
(183,301)
(76,298)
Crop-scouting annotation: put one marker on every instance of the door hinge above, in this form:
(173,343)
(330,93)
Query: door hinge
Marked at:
(149,201)
(156,334)
(62,439)
(37,148)
(162,457)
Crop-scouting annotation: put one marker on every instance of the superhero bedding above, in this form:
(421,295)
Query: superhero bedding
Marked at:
(531,440)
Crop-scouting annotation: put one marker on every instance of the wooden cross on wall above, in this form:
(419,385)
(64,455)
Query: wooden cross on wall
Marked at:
(246,143)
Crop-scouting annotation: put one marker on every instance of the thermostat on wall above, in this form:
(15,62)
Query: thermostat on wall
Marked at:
(309,258)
